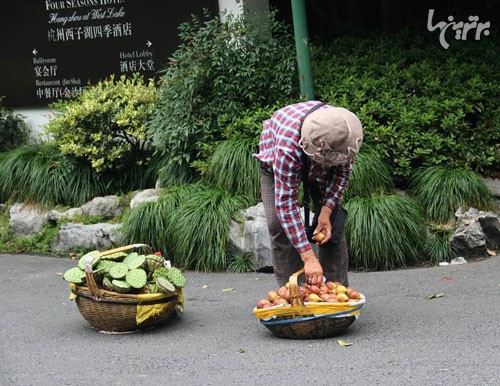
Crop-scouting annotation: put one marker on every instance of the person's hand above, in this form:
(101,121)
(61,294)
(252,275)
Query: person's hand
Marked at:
(313,270)
(324,225)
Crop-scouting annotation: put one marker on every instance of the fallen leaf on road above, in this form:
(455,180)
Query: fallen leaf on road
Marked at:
(59,273)
(242,350)
(227,289)
(204,286)
(343,343)
(491,253)
(434,296)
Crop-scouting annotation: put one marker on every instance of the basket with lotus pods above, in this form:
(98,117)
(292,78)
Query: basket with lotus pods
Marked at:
(126,289)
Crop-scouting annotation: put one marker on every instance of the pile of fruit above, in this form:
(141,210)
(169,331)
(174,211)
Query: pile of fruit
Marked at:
(329,292)
(129,273)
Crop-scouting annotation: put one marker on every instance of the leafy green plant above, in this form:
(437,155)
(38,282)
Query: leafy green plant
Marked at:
(233,168)
(242,263)
(438,248)
(189,224)
(106,126)
(441,191)
(370,174)
(41,174)
(149,223)
(221,68)
(14,131)
(419,105)
(200,229)
(384,232)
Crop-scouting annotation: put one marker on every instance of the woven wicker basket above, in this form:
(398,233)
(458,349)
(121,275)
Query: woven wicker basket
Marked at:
(116,313)
(301,320)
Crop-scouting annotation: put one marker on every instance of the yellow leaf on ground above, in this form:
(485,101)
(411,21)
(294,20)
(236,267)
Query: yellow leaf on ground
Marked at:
(343,343)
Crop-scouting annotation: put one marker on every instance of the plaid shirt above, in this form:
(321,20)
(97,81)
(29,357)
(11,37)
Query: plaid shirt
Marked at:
(280,152)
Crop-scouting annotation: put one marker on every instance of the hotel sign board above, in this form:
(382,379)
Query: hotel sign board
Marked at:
(55,48)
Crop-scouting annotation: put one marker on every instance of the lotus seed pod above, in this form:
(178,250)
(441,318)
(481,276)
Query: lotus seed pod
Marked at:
(176,277)
(164,285)
(121,286)
(107,283)
(81,262)
(136,277)
(74,275)
(153,288)
(105,265)
(117,256)
(160,272)
(118,271)
(153,262)
(134,260)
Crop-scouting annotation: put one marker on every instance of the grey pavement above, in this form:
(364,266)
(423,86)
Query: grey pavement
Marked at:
(401,337)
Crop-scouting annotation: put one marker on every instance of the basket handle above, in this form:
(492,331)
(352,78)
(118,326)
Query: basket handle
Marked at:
(94,290)
(122,249)
(295,295)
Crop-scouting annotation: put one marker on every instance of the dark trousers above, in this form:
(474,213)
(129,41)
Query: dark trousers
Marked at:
(286,260)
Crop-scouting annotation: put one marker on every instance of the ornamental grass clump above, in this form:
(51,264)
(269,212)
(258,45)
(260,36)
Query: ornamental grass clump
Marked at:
(149,222)
(441,191)
(384,232)
(200,229)
(233,168)
(370,174)
(42,175)
(438,247)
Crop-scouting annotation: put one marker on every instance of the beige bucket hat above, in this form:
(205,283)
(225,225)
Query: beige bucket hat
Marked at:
(331,136)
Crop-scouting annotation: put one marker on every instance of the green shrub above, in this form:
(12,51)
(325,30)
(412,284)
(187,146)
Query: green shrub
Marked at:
(189,224)
(14,131)
(220,69)
(370,174)
(420,105)
(384,232)
(41,174)
(441,191)
(438,247)
(106,126)
(149,223)
(232,168)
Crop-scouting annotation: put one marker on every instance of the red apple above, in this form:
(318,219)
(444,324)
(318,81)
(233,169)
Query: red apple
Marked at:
(314,289)
(324,297)
(284,292)
(314,298)
(262,303)
(342,297)
(272,296)
(341,289)
(354,295)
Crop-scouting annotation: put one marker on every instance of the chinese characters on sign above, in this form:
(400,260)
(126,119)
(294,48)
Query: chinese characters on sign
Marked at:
(73,21)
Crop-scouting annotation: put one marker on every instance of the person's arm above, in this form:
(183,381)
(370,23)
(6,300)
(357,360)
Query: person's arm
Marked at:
(334,190)
(286,179)
(336,184)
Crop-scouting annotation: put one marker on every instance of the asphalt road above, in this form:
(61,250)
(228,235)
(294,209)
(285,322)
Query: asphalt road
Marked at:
(401,337)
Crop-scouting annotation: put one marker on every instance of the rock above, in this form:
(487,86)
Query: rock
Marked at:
(105,207)
(476,232)
(252,236)
(56,215)
(90,237)
(26,220)
(148,195)
(494,185)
